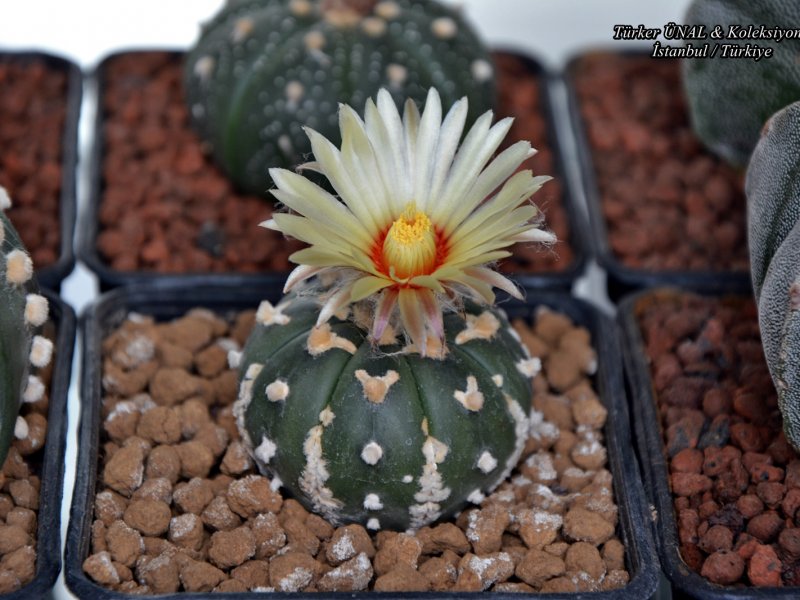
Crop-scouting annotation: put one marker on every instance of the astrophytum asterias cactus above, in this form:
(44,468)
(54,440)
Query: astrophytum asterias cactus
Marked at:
(264,68)
(397,393)
(22,311)
(773,214)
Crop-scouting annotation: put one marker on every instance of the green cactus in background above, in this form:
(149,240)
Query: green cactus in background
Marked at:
(22,311)
(263,69)
(773,205)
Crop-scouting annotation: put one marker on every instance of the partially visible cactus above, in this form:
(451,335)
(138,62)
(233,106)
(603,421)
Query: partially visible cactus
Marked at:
(264,69)
(773,204)
(22,311)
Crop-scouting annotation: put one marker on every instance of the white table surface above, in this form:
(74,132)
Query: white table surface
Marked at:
(87,30)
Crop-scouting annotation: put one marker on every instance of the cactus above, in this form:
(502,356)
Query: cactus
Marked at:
(22,311)
(264,68)
(391,393)
(773,204)
(730,98)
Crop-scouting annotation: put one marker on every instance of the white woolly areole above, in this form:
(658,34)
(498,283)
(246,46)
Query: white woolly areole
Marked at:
(21,429)
(277,391)
(387,10)
(36,310)
(41,351)
(326,416)
(234,359)
(486,462)
(300,8)
(321,339)
(243,401)
(407,479)
(242,29)
(478,327)
(396,74)
(373,524)
(204,67)
(431,486)
(476,497)
(529,367)
(34,391)
(481,70)
(521,431)
(444,28)
(265,450)
(373,502)
(19,267)
(498,380)
(373,26)
(271,315)
(372,453)
(471,398)
(5,199)
(376,387)
(315,474)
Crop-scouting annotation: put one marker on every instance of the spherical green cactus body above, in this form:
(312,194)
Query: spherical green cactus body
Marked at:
(773,201)
(380,435)
(730,97)
(264,69)
(21,312)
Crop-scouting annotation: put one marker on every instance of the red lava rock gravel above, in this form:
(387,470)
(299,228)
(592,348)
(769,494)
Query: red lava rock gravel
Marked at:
(161,194)
(33,102)
(735,480)
(205,520)
(668,203)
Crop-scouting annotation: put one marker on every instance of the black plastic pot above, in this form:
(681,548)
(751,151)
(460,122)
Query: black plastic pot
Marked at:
(110,277)
(165,303)
(655,463)
(622,279)
(52,275)
(50,465)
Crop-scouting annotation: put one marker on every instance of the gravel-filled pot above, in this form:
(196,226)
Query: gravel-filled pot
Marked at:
(33,473)
(154,188)
(40,100)
(663,210)
(720,474)
(380,560)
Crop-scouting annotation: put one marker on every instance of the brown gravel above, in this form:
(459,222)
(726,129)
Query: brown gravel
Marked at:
(170,519)
(161,194)
(734,477)
(668,203)
(33,98)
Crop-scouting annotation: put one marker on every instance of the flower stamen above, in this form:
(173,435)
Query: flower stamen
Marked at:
(410,244)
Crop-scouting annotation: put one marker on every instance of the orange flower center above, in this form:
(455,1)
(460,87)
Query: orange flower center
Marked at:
(410,244)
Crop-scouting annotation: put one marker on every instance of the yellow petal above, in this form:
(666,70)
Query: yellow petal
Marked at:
(366,286)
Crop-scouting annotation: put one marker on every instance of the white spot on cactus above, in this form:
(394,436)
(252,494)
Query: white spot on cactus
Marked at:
(36,310)
(396,74)
(41,351)
(515,334)
(204,68)
(34,390)
(424,425)
(371,453)
(198,110)
(376,387)
(314,41)
(479,327)
(498,380)
(271,315)
(373,524)
(5,199)
(243,400)
(242,29)
(486,462)
(521,431)
(434,348)
(529,367)
(300,8)
(444,28)
(321,339)
(19,267)
(373,26)
(315,474)
(388,337)
(285,143)
(265,450)
(387,10)
(476,497)
(482,70)
(277,391)
(276,483)
(326,416)
(373,502)
(407,479)
(294,91)
(21,429)
(471,398)
(431,487)
(234,359)
(434,450)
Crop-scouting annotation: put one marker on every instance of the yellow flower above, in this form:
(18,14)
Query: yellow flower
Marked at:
(417,219)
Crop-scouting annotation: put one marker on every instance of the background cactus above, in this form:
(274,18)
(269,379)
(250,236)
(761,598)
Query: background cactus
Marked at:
(730,98)
(381,435)
(773,202)
(22,311)
(263,69)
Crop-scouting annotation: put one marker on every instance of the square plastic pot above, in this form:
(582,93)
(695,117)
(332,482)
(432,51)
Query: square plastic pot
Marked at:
(655,463)
(164,303)
(51,275)
(622,278)
(110,276)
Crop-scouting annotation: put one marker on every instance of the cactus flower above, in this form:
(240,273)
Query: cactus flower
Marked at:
(418,220)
